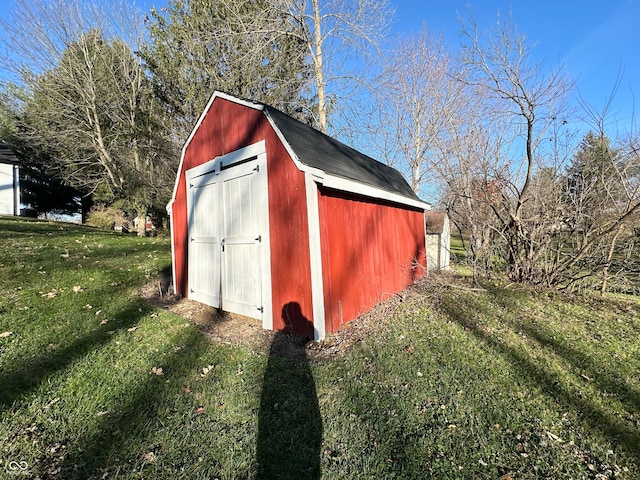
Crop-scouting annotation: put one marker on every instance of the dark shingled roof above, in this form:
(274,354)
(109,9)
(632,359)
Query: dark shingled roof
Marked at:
(6,154)
(317,150)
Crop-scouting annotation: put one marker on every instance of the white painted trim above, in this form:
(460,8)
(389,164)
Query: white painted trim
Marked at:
(173,254)
(216,165)
(212,166)
(265,266)
(253,150)
(315,258)
(351,186)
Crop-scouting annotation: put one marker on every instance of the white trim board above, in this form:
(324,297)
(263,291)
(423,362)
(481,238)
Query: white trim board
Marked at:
(315,258)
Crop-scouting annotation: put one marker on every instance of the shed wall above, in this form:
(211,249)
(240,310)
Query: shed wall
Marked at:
(370,251)
(227,127)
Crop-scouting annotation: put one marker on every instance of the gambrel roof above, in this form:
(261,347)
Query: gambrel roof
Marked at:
(331,163)
(317,150)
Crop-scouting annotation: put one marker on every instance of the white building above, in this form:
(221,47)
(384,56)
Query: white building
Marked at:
(9,181)
(438,232)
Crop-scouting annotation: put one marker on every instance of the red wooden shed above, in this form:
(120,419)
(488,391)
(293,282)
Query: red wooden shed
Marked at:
(276,221)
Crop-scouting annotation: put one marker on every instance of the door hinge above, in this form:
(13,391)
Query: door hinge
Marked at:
(257,169)
(259,238)
(222,243)
(261,309)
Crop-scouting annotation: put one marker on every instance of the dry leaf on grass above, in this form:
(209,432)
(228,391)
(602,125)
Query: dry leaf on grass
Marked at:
(5,334)
(148,457)
(157,371)
(78,289)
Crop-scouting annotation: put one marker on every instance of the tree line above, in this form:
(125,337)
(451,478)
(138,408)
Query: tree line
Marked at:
(102,96)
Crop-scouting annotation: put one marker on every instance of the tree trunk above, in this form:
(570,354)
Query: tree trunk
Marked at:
(86,202)
(605,270)
(142,222)
(317,64)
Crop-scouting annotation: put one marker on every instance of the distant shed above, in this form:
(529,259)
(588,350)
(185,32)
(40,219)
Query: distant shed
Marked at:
(438,240)
(9,181)
(274,220)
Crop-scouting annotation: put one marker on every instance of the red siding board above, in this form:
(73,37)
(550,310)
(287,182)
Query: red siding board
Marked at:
(227,127)
(369,252)
(290,265)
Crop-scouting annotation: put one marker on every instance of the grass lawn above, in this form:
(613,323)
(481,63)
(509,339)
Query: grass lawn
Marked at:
(495,383)
(458,253)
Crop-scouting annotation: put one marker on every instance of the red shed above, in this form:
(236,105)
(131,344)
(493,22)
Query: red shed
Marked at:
(276,221)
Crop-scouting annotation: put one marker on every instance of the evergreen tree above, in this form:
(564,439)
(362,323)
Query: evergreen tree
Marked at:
(243,47)
(593,186)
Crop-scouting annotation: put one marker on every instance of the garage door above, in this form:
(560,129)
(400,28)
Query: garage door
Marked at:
(228,233)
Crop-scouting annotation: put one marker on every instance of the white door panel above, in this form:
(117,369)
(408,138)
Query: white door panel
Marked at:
(204,242)
(241,251)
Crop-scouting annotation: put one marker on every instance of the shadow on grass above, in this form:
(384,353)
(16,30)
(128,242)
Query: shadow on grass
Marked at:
(607,382)
(289,422)
(26,377)
(537,376)
(135,418)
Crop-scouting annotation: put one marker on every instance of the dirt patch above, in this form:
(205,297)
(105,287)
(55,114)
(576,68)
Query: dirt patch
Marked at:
(232,329)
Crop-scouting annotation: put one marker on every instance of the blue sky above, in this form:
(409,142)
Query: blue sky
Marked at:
(593,39)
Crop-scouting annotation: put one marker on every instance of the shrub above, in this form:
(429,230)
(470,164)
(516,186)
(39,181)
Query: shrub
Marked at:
(106,218)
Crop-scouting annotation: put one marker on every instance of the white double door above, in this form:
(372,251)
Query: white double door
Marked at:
(228,231)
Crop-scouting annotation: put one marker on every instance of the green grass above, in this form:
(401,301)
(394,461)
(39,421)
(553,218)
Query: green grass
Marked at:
(458,252)
(460,383)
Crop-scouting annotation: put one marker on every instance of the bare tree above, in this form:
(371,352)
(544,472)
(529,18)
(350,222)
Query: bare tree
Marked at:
(472,170)
(498,64)
(89,102)
(558,215)
(339,36)
(417,98)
